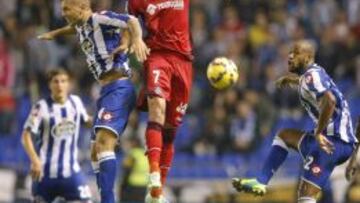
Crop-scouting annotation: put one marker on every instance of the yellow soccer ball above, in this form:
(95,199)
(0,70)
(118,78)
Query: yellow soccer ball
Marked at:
(222,73)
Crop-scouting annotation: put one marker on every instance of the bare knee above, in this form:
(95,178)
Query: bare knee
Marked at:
(307,192)
(105,140)
(290,137)
(157,107)
(284,133)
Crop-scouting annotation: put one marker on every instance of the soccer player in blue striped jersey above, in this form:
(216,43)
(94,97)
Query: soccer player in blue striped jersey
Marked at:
(330,144)
(100,37)
(55,123)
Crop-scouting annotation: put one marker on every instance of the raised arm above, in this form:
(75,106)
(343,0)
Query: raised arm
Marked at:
(36,166)
(67,30)
(138,46)
(125,43)
(287,81)
(124,21)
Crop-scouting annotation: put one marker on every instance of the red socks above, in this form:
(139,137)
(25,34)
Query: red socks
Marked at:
(167,153)
(160,151)
(154,145)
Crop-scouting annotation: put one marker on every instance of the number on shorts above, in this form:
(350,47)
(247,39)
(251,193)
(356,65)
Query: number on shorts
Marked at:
(308,162)
(156,75)
(84,191)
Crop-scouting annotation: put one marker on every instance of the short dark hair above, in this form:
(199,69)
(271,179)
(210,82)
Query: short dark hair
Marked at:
(54,72)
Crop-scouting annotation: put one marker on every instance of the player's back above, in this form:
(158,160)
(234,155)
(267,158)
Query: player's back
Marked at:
(167,23)
(56,127)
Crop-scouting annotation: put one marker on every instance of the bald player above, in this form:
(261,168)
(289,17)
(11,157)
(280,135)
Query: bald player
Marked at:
(330,144)
(100,37)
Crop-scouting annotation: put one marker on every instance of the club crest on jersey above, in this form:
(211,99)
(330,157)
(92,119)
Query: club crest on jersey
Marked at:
(174,4)
(64,128)
(87,46)
(308,79)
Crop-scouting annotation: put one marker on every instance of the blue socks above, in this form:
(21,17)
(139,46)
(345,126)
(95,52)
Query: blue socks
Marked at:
(96,168)
(277,156)
(106,176)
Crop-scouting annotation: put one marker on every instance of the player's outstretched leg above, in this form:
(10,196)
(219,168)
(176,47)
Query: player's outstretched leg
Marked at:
(277,156)
(167,152)
(249,185)
(278,153)
(154,144)
(166,157)
(105,145)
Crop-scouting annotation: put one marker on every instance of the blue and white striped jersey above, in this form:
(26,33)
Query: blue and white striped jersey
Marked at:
(313,84)
(99,37)
(56,127)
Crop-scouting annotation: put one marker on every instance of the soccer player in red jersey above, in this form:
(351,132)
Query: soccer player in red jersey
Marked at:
(168,80)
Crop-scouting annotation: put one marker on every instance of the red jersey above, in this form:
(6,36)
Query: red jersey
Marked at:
(167,23)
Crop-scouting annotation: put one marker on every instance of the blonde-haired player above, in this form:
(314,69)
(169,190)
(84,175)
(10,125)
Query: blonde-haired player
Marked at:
(100,36)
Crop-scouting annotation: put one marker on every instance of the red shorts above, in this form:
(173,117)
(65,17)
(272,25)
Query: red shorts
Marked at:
(167,75)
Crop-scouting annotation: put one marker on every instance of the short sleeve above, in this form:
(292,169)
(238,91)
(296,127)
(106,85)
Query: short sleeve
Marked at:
(81,109)
(132,7)
(35,118)
(112,18)
(83,112)
(317,82)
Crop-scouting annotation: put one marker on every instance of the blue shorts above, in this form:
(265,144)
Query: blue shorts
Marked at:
(73,188)
(318,165)
(117,100)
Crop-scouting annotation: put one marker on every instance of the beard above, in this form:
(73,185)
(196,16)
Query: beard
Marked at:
(298,69)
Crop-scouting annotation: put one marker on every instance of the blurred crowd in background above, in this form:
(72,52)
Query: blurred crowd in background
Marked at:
(256,34)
